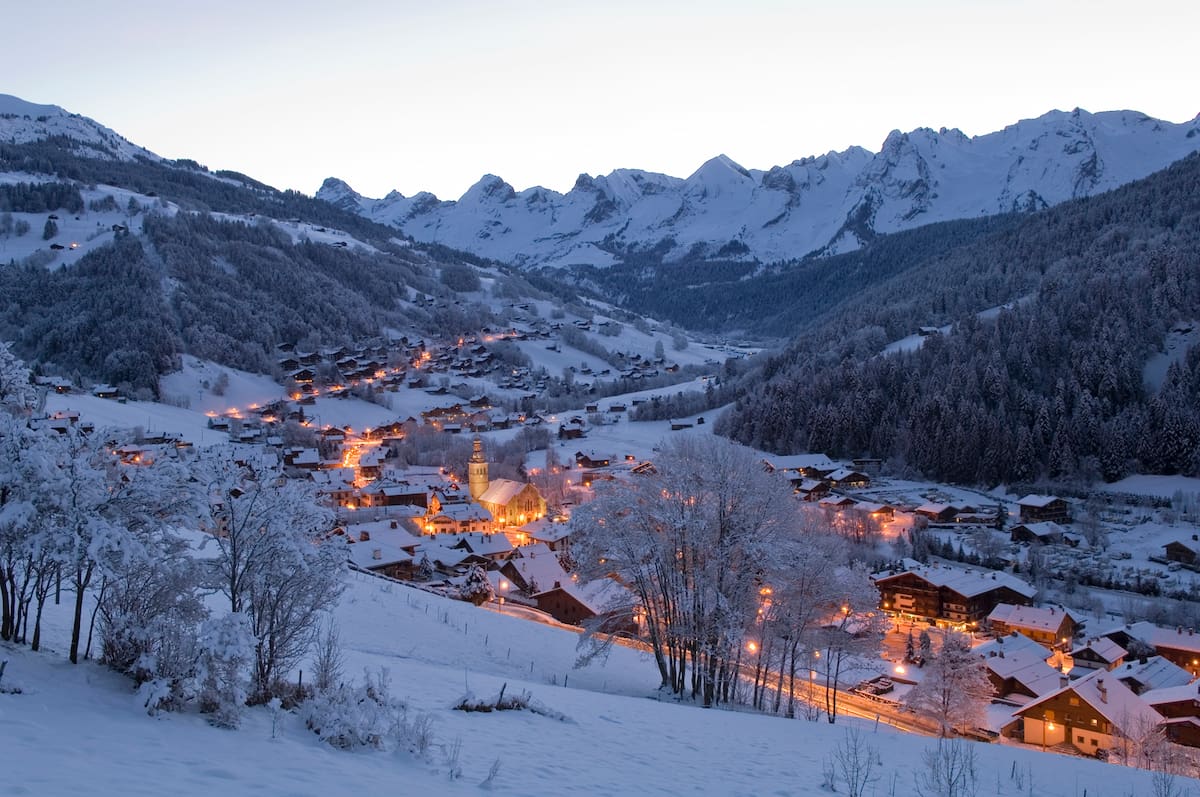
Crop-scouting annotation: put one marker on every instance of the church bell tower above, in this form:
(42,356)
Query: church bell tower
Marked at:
(477,471)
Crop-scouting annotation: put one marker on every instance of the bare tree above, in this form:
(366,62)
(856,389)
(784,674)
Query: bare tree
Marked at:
(950,770)
(856,761)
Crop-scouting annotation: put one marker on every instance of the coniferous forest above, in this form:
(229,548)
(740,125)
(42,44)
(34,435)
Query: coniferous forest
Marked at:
(1052,384)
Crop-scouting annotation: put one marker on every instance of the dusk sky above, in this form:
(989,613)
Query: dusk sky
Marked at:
(432,95)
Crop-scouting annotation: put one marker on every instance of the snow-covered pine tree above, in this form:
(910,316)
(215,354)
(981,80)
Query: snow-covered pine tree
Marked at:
(477,589)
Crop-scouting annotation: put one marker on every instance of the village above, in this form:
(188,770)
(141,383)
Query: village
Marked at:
(1082,679)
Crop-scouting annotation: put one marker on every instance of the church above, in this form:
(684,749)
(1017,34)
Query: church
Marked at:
(511,503)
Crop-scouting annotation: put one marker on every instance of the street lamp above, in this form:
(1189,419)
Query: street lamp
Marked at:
(503,589)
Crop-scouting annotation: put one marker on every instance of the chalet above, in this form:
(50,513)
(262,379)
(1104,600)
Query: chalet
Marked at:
(571,431)
(1036,508)
(1184,551)
(104,391)
(1053,627)
(57,247)
(1098,653)
(871,465)
(289,364)
(1153,672)
(1175,701)
(381,557)
(811,489)
(1046,532)
(1089,714)
(494,547)
(383,493)
(936,513)
(591,460)
(812,466)
(302,376)
(555,536)
(844,477)
(534,568)
(1178,645)
(572,603)
(1017,668)
(457,519)
(884,513)
(837,502)
(679,426)
(949,595)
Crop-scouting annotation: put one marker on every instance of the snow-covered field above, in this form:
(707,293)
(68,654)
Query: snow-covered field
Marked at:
(81,729)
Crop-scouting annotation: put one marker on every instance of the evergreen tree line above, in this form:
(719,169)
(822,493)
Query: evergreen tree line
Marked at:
(40,197)
(1051,386)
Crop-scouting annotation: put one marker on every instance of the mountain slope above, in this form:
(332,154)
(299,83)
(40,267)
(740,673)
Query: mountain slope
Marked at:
(1047,326)
(830,203)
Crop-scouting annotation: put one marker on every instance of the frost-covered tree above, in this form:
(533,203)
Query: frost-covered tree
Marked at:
(17,393)
(273,562)
(691,542)
(954,690)
(227,652)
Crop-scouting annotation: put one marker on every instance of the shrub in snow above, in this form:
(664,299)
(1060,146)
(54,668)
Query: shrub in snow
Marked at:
(354,716)
(226,652)
(522,701)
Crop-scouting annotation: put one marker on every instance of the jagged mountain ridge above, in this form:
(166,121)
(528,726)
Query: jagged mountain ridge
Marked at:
(829,203)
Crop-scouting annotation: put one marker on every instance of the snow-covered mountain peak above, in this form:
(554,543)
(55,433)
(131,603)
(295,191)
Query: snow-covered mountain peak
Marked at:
(489,189)
(23,122)
(828,203)
(338,192)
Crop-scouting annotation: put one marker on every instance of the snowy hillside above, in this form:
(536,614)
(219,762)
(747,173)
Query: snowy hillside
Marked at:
(81,728)
(831,203)
(22,122)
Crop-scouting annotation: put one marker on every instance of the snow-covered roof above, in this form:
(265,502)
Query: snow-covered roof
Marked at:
(484,544)
(1172,694)
(800,461)
(1159,637)
(1023,660)
(1153,673)
(539,571)
(1038,500)
(1112,699)
(841,474)
(1103,647)
(464,512)
(968,583)
(600,595)
(501,491)
(1045,528)
(1038,618)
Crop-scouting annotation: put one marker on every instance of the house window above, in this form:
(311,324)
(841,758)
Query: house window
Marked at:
(1049,715)
(1095,722)
(1095,742)
(1079,739)
(1074,701)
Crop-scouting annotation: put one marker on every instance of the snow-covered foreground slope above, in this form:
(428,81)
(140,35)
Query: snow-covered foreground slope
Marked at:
(80,729)
(831,202)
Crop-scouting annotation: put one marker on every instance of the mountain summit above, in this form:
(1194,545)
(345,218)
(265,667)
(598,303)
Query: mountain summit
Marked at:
(830,203)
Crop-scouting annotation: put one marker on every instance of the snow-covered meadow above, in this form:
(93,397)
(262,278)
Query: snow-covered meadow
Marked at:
(82,728)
